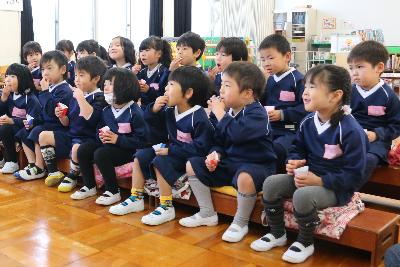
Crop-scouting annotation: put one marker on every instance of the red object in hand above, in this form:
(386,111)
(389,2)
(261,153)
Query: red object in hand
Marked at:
(64,109)
(214,162)
(394,156)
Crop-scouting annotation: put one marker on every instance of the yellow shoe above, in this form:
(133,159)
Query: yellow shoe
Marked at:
(67,185)
(54,178)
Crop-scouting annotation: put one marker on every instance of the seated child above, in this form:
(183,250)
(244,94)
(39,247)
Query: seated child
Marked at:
(283,95)
(374,104)
(17,102)
(334,146)
(122,130)
(190,134)
(86,48)
(228,50)
(122,53)
(84,112)
(54,91)
(242,156)
(67,47)
(32,53)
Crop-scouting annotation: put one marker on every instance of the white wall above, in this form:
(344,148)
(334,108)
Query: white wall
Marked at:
(354,14)
(10,32)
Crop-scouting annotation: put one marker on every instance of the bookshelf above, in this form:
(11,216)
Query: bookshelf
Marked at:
(392,69)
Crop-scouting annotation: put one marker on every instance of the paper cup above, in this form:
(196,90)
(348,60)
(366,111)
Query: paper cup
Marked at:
(64,109)
(301,171)
(104,129)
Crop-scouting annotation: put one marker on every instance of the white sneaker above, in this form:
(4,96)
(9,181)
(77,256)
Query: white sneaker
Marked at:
(131,204)
(268,242)
(298,256)
(235,233)
(196,220)
(9,167)
(159,216)
(108,198)
(83,193)
(31,174)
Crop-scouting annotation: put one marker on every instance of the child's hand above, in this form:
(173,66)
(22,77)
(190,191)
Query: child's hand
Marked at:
(6,93)
(161,101)
(32,65)
(6,120)
(308,179)
(175,64)
(144,88)
(108,137)
(136,68)
(294,164)
(162,151)
(212,73)
(212,161)
(78,94)
(44,83)
(274,115)
(371,136)
(217,107)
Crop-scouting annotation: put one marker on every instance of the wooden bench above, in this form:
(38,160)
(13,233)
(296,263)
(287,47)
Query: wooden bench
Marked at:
(385,182)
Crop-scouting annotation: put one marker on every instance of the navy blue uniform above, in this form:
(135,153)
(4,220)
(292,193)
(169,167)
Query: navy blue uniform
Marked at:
(218,82)
(244,141)
(337,154)
(190,135)
(71,73)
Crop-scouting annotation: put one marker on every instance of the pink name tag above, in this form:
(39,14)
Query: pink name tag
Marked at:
(376,110)
(124,128)
(19,113)
(332,151)
(154,85)
(287,96)
(269,108)
(184,137)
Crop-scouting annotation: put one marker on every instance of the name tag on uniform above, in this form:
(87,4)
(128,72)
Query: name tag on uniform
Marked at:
(287,96)
(332,151)
(289,126)
(124,128)
(19,113)
(155,86)
(376,110)
(184,137)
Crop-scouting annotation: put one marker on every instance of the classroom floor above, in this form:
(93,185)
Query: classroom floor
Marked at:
(41,227)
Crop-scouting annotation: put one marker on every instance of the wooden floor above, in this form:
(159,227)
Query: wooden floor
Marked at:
(41,227)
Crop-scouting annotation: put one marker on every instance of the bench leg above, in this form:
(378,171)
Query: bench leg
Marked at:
(387,238)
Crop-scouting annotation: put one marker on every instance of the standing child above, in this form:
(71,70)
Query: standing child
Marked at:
(67,47)
(55,91)
(155,53)
(32,53)
(374,104)
(122,53)
(190,134)
(283,95)
(122,130)
(334,147)
(19,102)
(84,112)
(242,155)
(228,50)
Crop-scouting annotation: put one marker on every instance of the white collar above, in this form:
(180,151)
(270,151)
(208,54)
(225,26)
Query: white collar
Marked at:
(230,112)
(184,114)
(367,93)
(151,72)
(16,96)
(126,65)
(52,87)
(35,69)
(320,128)
(119,112)
(283,75)
(92,93)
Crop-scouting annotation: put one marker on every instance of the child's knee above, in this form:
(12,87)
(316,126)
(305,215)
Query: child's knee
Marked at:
(245,182)
(45,137)
(74,150)
(189,169)
(302,201)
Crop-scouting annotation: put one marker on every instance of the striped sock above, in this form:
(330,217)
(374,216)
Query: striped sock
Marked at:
(166,201)
(137,193)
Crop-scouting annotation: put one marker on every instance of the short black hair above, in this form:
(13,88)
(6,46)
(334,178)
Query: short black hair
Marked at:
(59,58)
(276,41)
(126,86)
(24,76)
(370,51)
(193,77)
(158,44)
(31,47)
(93,65)
(247,76)
(91,46)
(192,40)
(65,45)
(234,46)
(129,50)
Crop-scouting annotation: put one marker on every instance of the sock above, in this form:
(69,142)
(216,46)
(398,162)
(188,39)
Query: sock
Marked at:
(33,169)
(49,156)
(203,197)
(166,201)
(137,193)
(74,170)
(244,208)
(275,218)
(307,224)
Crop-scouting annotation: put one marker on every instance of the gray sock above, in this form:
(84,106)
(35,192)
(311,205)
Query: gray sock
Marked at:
(203,196)
(244,208)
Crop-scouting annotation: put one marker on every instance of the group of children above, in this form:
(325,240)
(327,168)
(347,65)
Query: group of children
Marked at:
(315,139)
